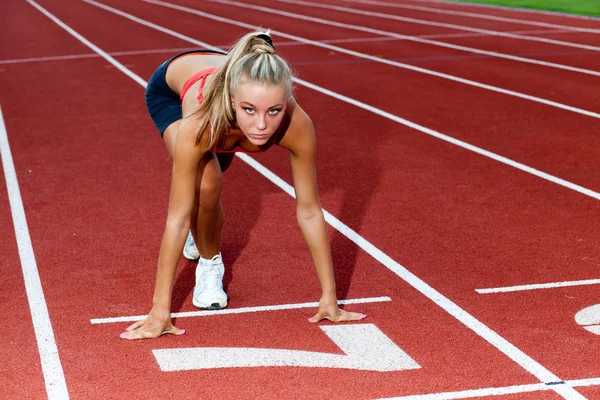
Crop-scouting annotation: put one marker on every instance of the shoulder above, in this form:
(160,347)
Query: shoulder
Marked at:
(186,148)
(300,133)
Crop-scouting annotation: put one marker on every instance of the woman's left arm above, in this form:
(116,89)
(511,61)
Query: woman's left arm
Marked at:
(300,141)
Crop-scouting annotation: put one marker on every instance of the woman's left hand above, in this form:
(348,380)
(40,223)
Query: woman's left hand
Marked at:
(328,309)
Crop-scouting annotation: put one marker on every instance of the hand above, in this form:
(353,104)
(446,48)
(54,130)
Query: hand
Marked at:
(328,309)
(154,325)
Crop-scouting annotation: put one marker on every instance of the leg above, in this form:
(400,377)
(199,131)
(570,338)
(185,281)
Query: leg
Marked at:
(207,225)
(210,214)
(208,293)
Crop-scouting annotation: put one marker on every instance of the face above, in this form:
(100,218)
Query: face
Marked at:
(259,109)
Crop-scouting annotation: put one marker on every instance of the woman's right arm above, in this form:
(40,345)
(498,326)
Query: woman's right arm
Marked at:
(186,158)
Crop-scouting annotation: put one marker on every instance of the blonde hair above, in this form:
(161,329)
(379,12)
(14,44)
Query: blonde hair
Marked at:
(252,57)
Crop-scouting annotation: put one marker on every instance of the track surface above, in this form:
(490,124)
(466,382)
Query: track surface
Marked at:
(94,176)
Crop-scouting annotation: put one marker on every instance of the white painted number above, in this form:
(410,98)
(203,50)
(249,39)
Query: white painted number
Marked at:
(364,345)
(589,318)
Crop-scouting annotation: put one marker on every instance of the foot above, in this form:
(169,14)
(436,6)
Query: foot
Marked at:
(190,251)
(208,293)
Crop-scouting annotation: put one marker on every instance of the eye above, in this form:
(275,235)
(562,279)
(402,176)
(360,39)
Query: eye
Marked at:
(274,111)
(249,110)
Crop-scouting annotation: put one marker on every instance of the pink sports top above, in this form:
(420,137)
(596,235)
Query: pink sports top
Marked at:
(201,76)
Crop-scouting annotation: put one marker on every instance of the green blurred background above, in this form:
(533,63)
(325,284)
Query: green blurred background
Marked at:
(585,7)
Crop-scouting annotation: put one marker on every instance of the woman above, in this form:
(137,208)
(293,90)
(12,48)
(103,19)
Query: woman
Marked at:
(207,105)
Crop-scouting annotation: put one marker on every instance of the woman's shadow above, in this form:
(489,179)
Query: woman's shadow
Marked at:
(347,164)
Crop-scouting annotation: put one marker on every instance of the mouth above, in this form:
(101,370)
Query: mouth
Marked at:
(259,136)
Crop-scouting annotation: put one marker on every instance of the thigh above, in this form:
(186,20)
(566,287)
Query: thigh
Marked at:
(209,181)
(170,136)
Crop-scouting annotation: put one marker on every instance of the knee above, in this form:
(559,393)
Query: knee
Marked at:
(210,194)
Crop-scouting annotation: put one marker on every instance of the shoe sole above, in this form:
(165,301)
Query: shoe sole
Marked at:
(187,256)
(213,306)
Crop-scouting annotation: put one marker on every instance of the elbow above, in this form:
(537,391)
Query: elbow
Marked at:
(308,213)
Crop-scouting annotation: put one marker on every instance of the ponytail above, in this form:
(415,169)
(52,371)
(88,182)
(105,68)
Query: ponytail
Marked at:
(252,57)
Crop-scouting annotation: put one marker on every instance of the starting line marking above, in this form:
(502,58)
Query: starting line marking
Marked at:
(242,310)
(538,286)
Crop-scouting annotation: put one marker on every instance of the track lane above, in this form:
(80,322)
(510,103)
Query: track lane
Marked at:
(18,19)
(506,12)
(491,28)
(428,10)
(529,50)
(412,14)
(19,357)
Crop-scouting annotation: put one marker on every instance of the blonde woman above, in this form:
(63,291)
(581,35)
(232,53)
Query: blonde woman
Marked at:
(208,105)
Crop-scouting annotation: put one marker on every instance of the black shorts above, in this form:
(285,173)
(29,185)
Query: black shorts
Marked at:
(162,102)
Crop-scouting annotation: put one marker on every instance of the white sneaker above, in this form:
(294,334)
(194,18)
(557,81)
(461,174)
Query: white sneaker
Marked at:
(190,251)
(208,293)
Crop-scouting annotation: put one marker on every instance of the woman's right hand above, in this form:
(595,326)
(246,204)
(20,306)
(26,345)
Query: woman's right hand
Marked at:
(154,325)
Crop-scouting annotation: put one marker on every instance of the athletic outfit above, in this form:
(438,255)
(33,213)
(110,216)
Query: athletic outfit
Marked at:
(164,105)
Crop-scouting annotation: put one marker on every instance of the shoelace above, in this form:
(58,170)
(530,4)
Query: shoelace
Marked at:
(211,278)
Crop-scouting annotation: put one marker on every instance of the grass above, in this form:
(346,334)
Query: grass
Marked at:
(584,7)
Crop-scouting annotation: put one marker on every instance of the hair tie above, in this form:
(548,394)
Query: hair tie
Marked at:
(267,39)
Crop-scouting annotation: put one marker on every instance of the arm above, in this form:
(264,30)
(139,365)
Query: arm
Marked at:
(301,143)
(186,158)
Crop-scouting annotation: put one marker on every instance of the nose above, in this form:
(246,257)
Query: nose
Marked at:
(261,123)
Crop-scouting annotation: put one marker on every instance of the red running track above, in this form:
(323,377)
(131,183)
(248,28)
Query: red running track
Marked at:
(460,221)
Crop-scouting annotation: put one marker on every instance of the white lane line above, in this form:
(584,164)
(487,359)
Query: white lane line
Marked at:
(44,59)
(474,15)
(241,310)
(495,391)
(511,351)
(56,386)
(513,9)
(538,286)
(92,55)
(453,26)
(224,47)
(360,104)
(446,304)
(399,36)
(467,394)
(361,55)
